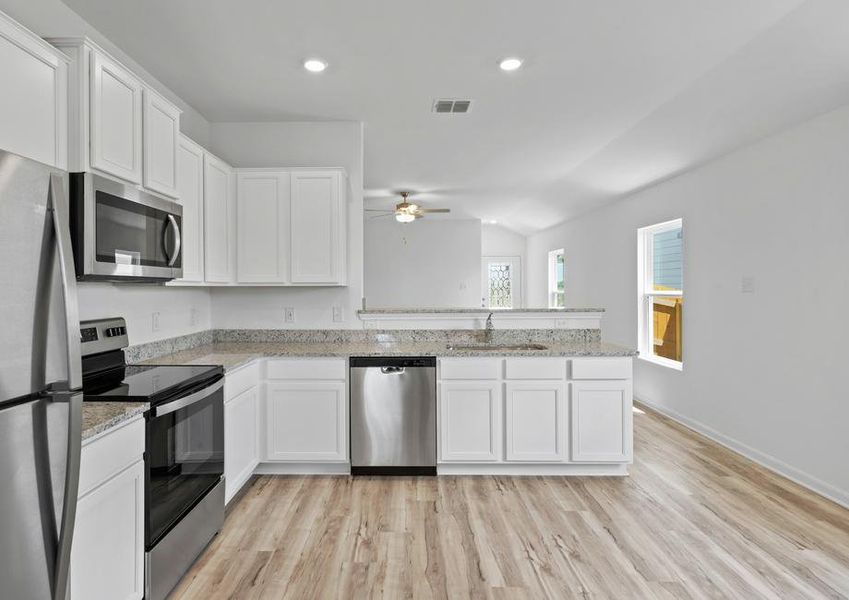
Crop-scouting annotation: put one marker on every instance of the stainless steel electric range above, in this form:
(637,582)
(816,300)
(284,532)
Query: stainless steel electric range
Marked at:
(184,452)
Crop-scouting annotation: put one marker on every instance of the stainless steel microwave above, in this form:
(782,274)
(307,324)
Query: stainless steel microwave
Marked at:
(122,233)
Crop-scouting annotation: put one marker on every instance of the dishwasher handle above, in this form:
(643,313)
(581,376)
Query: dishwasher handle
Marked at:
(393,370)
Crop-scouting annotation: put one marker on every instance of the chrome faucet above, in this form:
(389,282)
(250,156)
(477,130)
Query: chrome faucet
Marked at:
(489,329)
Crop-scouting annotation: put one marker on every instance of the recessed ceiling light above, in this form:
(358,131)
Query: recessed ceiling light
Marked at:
(510,64)
(492,222)
(315,65)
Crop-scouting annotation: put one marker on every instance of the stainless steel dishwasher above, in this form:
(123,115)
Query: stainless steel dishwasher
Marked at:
(393,416)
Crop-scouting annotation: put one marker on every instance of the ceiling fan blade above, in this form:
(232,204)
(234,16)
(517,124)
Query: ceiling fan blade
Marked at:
(383,210)
(435,210)
(392,214)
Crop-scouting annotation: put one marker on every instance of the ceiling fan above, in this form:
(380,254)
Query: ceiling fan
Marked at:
(406,212)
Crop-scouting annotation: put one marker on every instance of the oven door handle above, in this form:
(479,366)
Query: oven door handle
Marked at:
(185,401)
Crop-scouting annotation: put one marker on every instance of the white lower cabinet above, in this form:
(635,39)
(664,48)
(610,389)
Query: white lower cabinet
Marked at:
(602,421)
(307,421)
(470,421)
(241,440)
(536,421)
(107,557)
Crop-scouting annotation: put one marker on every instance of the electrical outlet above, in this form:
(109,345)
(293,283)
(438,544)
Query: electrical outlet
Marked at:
(338,314)
(154,321)
(289,314)
(747,284)
(193,316)
(561,323)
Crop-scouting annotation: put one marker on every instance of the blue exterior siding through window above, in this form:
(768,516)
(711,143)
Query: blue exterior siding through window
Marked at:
(667,252)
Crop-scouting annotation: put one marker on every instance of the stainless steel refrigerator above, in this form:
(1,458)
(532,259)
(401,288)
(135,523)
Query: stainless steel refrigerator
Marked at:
(40,381)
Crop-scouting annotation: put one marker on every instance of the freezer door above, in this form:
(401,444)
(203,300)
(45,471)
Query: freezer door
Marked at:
(40,469)
(35,348)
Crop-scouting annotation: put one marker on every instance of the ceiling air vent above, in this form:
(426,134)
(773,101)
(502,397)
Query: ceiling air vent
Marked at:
(451,105)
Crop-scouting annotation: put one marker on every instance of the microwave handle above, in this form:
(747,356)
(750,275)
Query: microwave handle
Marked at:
(177,239)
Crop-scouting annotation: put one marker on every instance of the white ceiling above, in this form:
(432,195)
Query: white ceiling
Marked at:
(613,95)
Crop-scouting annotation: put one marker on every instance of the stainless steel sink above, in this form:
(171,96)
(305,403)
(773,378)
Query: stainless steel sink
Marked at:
(495,347)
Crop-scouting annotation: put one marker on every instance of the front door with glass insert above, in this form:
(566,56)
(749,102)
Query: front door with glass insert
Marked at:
(501,280)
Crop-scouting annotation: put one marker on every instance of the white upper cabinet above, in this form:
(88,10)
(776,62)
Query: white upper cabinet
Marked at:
(218,216)
(161,132)
(34,103)
(117,125)
(116,119)
(262,230)
(318,227)
(190,190)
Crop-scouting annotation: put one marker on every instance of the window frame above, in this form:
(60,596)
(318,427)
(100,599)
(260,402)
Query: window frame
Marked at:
(552,277)
(646,294)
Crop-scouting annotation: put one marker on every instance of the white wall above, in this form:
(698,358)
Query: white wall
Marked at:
(423,264)
(319,144)
(763,370)
(181,310)
(500,241)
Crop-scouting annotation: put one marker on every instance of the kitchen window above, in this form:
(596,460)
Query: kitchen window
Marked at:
(660,250)
(556,279)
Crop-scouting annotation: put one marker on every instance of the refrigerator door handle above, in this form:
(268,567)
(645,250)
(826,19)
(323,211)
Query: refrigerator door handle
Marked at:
(69,499)
(57,206)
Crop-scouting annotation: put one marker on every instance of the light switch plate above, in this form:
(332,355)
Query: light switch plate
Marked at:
(338,314)
(154,321)
(747,284)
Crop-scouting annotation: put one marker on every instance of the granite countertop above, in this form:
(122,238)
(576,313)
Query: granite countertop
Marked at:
(232,355)
(483,311)
(102,416)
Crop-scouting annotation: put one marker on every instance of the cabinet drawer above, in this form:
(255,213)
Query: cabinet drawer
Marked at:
(601,368)
(470,368)
(243,379)
(536,368)
(306,368)
(105,456)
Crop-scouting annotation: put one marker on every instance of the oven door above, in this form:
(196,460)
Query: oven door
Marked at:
(121,232)
(185,456)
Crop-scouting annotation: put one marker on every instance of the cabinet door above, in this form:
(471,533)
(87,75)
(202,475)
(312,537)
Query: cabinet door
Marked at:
(262,227)
(161,132)
(190,191)
(107,557)
(116,119)
(536,421)
(307,422)
(241,440)
(217,196)
(470,421)
(602,419)
(34,104)
(316,232)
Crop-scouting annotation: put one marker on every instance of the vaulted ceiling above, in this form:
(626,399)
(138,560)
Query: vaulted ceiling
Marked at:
(612,95)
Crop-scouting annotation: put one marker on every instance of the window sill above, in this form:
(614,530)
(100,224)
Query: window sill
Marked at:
(663,362)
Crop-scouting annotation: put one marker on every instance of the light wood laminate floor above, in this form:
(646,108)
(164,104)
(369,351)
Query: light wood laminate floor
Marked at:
(692,521)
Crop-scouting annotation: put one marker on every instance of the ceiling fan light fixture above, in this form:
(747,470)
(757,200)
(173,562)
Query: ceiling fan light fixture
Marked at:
(405,217)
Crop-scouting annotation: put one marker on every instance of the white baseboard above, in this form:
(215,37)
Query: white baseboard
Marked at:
(296,468)
(514,469)
(767,461)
